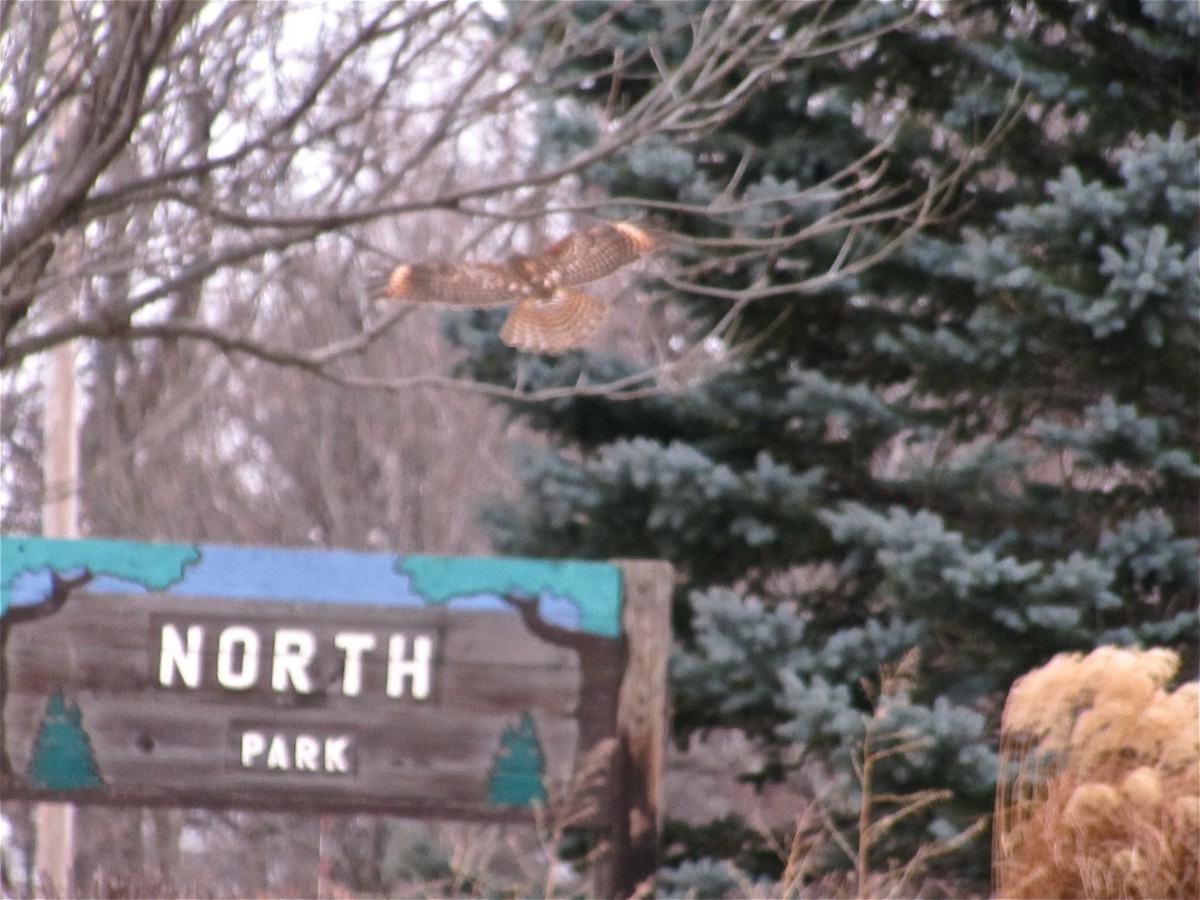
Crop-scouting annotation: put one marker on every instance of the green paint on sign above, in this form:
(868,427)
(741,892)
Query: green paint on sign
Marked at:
(594,587)
(516,777)
(62,753)
(154,566)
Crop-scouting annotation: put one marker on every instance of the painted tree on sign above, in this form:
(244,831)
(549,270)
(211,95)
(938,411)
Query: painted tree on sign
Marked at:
(516,776)
(62,754)
(155,566)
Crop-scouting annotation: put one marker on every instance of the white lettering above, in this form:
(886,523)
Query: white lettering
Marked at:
(253,744)
(175,657)
(245,653)
(308,753)
(418,668)
(237,679)
(335,754)
(277,755)
(294,649)
(354,644)
(284,751)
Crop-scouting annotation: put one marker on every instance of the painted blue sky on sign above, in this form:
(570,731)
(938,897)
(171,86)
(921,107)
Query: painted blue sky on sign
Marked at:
(573,594)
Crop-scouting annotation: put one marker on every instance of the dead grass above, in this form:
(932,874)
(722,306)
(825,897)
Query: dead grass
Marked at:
(815,833)
(1103,793)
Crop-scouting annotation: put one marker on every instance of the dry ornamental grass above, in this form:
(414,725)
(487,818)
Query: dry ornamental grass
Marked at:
(1102,797)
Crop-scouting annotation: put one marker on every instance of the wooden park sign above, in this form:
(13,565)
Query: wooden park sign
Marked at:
(299,679)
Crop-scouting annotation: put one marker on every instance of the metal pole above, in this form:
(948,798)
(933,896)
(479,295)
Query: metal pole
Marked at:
(323,863)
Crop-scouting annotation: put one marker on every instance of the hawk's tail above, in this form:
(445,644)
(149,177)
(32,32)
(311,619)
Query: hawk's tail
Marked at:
(555,324)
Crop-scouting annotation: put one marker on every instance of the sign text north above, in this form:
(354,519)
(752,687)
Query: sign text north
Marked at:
(239,657)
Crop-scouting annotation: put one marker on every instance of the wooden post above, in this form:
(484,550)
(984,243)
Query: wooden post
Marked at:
(54,858)
(55,854)
(641,727)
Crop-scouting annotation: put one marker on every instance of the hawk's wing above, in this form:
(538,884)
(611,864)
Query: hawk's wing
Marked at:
(562,321)
(595,252)
(459,283)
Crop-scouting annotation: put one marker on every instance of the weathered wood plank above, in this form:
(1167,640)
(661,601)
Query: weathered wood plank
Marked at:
(641,723)
(153,727)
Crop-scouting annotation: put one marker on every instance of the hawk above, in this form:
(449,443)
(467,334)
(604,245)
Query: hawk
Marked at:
(548,314)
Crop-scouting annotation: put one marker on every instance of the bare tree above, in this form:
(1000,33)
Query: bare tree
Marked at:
(224,141)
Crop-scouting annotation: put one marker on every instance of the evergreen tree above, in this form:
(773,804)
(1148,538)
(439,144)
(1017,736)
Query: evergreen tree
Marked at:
(984,447)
